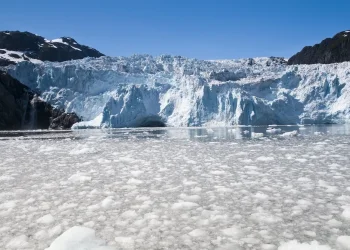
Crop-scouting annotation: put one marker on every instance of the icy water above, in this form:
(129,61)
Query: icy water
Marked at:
(221,188)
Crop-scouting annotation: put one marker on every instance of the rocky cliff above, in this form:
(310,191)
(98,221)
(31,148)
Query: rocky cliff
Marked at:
(330,50)
(20,108)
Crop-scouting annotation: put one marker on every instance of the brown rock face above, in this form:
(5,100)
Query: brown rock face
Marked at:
(330,50)
(20,108)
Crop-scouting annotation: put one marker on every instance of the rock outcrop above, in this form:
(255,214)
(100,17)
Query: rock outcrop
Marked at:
(21,108)
(330,50)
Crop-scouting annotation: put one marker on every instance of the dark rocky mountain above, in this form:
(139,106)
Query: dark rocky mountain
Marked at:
(16,46)
(20,108)
(330,50)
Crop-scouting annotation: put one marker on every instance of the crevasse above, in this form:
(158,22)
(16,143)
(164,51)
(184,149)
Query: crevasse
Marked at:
(143,90)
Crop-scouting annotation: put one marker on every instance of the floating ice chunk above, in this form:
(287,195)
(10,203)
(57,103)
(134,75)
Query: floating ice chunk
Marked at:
(89,224)
(46,219)
(311,234)
(136,173)
(79,238)
(304,179)
(107,202)
(133,181)
(233,232)
(80,150)
(346,213)
(265,158)
(6,178)
(261,196)
(57,230)
(251,241)
(230,246)
(268,247)
(189,183)
(257,135)
(198,233)
(184,205)
(265,218)
(129,214)
(191,198)
(290,134)
(8,205)
(19,242)
(94,207)
(273,131)
(334,223)
(125,242)
(295,245)
(79,178)
(41,235)
(218,172)
(343,242)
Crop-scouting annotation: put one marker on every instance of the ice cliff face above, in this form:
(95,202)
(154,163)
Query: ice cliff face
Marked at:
(146,91)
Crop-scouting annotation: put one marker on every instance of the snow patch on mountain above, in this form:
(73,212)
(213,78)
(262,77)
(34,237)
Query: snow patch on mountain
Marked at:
(176,91)
(16,56)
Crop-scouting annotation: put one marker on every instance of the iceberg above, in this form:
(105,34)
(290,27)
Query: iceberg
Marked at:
(143,90)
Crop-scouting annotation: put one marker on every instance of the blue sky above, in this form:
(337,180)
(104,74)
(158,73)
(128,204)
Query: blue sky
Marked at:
(215,29)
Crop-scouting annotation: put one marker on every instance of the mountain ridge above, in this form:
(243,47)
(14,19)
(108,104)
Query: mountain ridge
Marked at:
(16,46)
(329,50)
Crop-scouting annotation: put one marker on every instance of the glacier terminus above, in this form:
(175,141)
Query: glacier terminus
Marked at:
(142,90)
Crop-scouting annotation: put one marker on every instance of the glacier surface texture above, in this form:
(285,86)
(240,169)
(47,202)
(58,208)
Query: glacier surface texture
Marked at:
(175,91)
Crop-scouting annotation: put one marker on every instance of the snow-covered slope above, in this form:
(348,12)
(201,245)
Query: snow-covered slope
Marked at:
(146,90)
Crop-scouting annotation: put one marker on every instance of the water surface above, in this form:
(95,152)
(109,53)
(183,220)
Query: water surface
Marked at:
(178,188)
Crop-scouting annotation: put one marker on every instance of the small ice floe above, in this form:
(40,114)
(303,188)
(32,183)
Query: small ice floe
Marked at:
(18,242)
(231,131)
(210,131)
(346,213)
(273,131)
(46,219)
(196,233)
(6,178)
(233,232)
(265,158)
(290,134)
(257,135)
(81,150)
(79,238)
(184,205)
(123,242)
(264,217)
(343,242)
(295,245)
(107,202)
(79,178)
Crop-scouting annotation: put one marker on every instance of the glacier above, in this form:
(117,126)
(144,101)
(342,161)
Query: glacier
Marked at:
(142,90)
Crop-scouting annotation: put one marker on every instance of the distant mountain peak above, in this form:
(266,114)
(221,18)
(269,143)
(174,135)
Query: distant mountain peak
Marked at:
(31,47)
(330,50)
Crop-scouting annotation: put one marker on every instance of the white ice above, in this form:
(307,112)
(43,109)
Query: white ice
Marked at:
(131,91)
(169,189)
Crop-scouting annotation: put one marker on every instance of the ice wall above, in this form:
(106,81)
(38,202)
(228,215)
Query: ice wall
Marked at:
(176,91)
